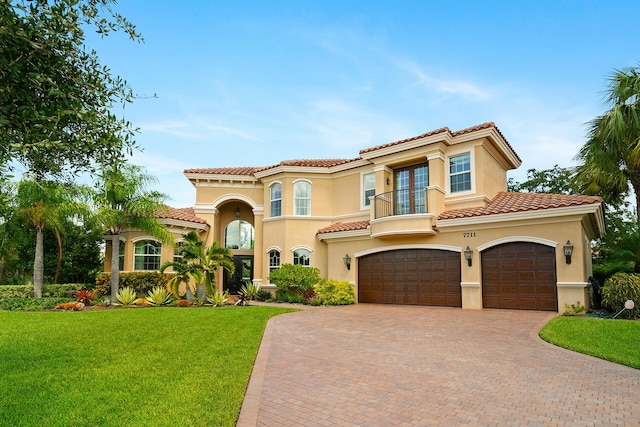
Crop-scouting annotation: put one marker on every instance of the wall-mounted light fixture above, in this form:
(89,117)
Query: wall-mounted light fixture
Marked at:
(237,211)
(347,261)
(468,254)
(568,251)
(388,181)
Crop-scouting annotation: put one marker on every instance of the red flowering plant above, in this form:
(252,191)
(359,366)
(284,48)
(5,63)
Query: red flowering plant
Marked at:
(84,296)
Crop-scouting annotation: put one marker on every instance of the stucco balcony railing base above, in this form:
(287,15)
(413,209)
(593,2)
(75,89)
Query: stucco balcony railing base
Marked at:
(402,225)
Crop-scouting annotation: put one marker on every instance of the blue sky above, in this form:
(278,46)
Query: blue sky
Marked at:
(251,83)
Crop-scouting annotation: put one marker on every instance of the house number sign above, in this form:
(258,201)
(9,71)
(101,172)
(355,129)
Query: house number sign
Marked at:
(470,234)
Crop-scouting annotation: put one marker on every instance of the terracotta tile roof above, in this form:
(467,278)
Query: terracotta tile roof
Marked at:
(345,226)
(313,163)
(521,202)
(181,214)
(390,144)
(482,126)
(224,171)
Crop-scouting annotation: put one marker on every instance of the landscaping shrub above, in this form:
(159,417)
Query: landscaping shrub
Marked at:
(263,295)
(48,291)
(140,281)
(126,296)
(293,280)
(31,304)
(333,292)
(159,296)
(618,289)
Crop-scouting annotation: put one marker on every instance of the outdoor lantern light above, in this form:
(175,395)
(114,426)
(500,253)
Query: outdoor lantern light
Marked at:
(568,251)
(468,253)
(388,181)
(237,211)
(347,261)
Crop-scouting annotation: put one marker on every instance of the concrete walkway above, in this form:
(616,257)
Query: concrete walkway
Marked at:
(381,365)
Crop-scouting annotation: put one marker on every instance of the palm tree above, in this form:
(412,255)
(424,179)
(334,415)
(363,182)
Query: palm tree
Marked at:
(214,257)
(200,263)
(124,200)
(183,273)
(40,205)
(611,156)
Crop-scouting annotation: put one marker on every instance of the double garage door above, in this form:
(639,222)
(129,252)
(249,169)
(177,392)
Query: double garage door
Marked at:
(519,275)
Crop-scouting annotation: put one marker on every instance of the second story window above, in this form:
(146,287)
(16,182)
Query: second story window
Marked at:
(302,198)
(460,173)
(368,188)
(177,252)
(276,199)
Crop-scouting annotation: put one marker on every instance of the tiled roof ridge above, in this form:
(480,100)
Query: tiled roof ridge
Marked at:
(413,138)
(238,170)
(344,226)
(321,163)
(486,125)
(181,214)
(509,202)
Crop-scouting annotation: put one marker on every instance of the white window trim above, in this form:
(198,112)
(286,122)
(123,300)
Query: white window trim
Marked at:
(145,238)
(295,248)
(472,163)
(363,206)
(294,195)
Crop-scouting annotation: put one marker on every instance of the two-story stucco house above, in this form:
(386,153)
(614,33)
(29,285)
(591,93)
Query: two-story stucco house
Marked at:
(425,220)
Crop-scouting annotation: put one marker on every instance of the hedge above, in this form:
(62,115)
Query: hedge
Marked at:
(48,291)
(141,282)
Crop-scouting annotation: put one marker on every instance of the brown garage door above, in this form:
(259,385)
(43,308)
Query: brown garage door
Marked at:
(519,275)
(410,276)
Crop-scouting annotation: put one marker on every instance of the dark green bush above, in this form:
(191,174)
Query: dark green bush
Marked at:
(294,278)
(333,292)
(290,297)
(141,282)
(618,289)
(263,295)
(32,304)
(48,291)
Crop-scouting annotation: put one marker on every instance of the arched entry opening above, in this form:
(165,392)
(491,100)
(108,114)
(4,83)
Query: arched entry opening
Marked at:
(239,235)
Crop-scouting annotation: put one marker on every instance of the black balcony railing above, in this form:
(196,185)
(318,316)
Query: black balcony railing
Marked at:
(400,202)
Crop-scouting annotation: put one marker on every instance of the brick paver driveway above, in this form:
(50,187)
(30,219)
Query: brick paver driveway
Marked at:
(380,365)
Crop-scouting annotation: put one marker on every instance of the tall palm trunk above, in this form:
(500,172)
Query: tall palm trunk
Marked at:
(38,264)
(115,265)
(59,263)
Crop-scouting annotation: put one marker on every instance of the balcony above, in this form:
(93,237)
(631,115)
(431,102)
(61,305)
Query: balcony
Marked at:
(400,213)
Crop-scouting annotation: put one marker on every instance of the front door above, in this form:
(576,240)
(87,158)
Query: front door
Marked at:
(242,275)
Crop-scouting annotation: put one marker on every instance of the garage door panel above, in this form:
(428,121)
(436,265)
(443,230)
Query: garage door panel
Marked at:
(519,275)
(415,276)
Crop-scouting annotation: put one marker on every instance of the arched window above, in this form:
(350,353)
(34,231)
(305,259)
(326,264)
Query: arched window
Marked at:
(302,257)
(302,198)
(147,255)
(238,235)
(121,256)
(276,199)
(274,260)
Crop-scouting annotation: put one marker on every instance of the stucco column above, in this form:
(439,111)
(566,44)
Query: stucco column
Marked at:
(260,269)
(470,280)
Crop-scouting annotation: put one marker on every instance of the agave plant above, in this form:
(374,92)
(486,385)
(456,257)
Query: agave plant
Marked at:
(159,296)
(250,290)
(218,298)
(126,296)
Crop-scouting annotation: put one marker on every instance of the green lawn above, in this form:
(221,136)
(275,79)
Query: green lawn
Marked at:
(133,367)
(614,340)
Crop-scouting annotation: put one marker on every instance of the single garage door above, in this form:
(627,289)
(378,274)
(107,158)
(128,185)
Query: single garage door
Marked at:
(519,275)
(410,276)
